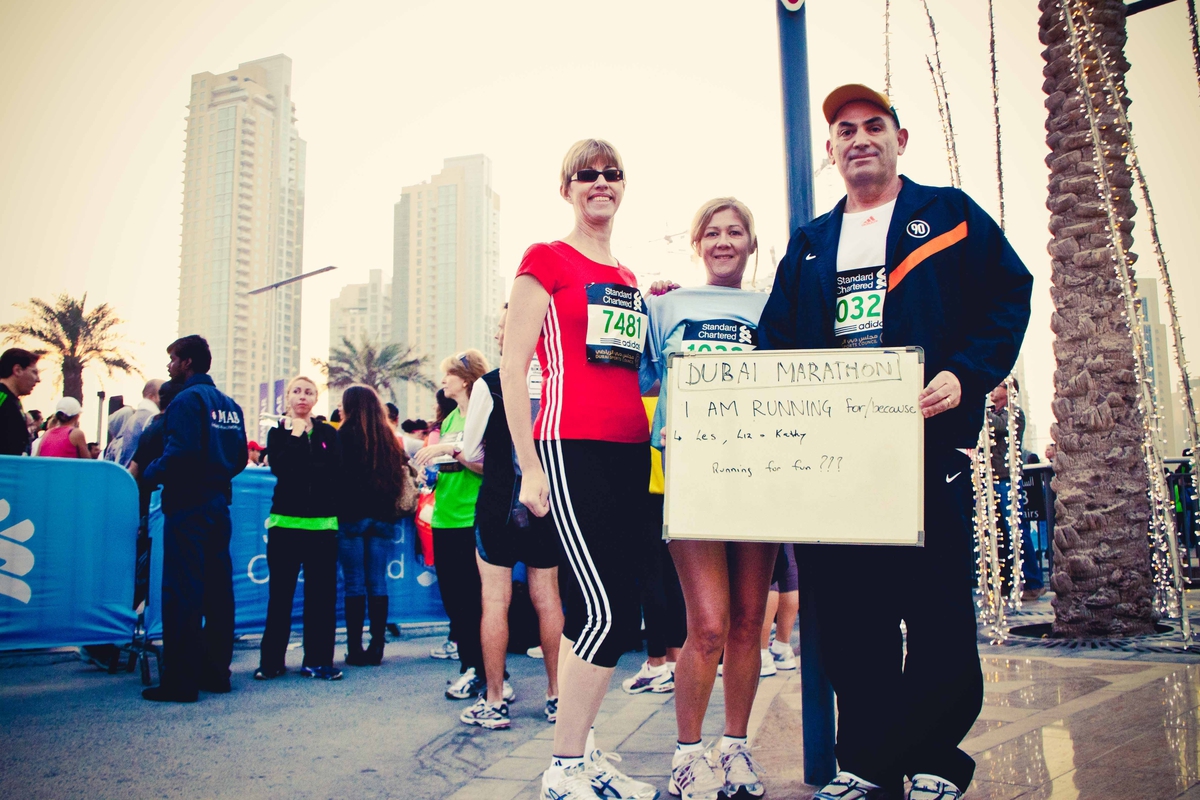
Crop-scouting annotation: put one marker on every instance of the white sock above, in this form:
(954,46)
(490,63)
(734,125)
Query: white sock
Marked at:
(558,766)
(727,742)
(671,666)
(682,749)
(653,670)
(868,784)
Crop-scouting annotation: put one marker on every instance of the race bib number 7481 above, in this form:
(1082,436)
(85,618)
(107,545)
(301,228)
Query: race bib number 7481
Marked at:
(616,324)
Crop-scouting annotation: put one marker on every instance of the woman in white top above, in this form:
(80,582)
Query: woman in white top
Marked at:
(724,583)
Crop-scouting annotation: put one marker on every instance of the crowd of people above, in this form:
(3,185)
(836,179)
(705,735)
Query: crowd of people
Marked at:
(553,461)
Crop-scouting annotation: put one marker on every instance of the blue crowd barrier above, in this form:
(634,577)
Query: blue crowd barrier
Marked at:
(411,587)
(68,538)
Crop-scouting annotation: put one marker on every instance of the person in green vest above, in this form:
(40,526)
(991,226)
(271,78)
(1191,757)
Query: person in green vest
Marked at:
(453,523)
(306,462)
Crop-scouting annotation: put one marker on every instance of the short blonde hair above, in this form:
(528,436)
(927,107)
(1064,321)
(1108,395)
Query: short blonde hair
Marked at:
(710,209)
(469,366)
(586,152)
(287,392)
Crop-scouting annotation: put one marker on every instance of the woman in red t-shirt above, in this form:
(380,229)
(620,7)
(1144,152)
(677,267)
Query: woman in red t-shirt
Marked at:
(590,466)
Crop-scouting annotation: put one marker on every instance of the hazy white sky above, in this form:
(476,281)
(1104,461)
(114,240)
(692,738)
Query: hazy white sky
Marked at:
(92,109)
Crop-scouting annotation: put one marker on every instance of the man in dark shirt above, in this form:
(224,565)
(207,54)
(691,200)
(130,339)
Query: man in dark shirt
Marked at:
(18,376)
(204,447)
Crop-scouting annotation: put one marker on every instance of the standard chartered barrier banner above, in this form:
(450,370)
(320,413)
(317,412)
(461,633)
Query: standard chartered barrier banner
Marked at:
(68,539)
(412,588)
(68,533)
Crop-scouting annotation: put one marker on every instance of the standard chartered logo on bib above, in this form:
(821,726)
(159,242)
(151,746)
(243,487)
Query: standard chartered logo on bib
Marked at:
(718,335)
(16,560)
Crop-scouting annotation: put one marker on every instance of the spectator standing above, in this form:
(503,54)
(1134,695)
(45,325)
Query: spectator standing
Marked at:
(1031,569)
(204,447)
(372,467)
(18,376)
(303,534)
(453,523)
(135,423)
(66,440)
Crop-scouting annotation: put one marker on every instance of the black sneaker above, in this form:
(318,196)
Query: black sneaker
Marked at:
(160,694)
(268,673)
(322,673)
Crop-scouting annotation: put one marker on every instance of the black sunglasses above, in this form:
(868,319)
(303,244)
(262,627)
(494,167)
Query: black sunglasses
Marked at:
(592,175)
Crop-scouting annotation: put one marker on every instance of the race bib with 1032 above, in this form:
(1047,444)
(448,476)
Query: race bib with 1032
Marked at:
(858,320)
(616,325)
(719,336)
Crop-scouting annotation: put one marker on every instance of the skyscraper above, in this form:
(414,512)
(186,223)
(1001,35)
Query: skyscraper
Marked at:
(446,286)
(362,313)
(1155,334)
(243,227)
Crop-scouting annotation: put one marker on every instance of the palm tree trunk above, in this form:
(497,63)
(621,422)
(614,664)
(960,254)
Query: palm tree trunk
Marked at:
(72,374)
(1102,573)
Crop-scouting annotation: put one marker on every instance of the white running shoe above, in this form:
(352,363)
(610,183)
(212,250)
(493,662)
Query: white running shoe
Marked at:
(448,650)
(848,786)
(485,715)
(693,776)
(931,787)
(783,654)
(551,709)
(658,680)
(609,782)
(743,775)
(535,652)
(573,783)
(467,686)
(767,667)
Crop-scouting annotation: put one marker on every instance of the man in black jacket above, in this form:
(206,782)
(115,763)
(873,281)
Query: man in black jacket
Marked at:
(897,264)
(204,447)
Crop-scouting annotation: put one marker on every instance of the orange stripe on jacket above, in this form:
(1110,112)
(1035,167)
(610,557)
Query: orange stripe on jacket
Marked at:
(935,245)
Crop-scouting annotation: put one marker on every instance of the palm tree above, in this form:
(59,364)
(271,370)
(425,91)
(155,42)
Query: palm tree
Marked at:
(73,335)
(382,368)
(1102,570)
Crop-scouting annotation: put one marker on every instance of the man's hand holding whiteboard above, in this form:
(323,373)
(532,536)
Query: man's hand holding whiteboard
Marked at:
(796,446)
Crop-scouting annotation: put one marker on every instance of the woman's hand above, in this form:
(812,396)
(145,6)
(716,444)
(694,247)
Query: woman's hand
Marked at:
(428,454)
(662,287)
(535,492)
(298,427)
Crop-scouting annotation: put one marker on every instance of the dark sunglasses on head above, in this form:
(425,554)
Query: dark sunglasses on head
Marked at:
(592,175)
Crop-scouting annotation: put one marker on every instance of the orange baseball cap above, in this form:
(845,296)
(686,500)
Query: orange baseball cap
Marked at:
(851,92)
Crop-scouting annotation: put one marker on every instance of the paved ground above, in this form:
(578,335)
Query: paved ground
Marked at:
(1092,724)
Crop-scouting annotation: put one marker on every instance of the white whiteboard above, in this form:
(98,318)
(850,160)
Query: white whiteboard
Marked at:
(796,446)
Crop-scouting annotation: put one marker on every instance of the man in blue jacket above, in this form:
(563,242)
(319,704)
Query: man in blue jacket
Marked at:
(898,264)
(204,448)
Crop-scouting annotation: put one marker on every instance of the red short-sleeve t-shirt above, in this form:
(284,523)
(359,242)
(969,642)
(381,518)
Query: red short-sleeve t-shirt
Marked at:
(589,348)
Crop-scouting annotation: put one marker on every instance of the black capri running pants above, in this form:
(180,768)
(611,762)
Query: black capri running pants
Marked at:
(598,493)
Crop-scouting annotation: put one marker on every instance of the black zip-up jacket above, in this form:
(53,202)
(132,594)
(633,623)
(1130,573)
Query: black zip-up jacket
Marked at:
(308,471)
(956,289)
(360,498)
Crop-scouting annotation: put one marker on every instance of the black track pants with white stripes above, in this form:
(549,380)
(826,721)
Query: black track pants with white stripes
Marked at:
(598,493)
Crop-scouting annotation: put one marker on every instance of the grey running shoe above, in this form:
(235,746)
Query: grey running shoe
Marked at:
(448,650)
(743,775)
